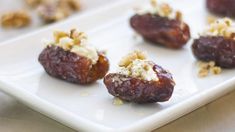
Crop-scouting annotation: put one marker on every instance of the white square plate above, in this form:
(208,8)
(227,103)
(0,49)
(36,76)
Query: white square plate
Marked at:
(90,107)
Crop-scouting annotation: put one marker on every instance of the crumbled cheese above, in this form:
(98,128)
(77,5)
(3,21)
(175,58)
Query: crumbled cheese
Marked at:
(87,51)
(75,42)
(203,72)
(163,10)
(205,68)
(137,66)
(221,27)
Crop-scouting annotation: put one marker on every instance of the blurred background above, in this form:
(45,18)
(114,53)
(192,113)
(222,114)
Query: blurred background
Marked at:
(40,14)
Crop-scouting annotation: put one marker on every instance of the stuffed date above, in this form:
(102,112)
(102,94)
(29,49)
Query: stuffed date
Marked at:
(70,58)
(222,7)
(139,80)
(162,26)
(217,43)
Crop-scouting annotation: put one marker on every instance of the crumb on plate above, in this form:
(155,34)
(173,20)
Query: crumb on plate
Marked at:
(117,101)
(205,68)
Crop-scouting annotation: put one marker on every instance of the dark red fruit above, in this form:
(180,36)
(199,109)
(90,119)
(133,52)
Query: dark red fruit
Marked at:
(161,30)
(141,91)
(71,67)
(222,7)
(218,49)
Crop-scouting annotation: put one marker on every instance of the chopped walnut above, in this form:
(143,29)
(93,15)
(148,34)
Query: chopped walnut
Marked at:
(78,37)
(132,56)
(15,19)
(221,27)
(58,35)
(216,70)
(203,72)
(179,16)
(208,67)
(163,10)
(75,42)
(135,64)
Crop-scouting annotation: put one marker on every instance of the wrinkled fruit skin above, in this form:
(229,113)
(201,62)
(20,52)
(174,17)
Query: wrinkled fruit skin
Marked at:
(141,91)
(71,67)
(218,49)
(222,7)
(161,30)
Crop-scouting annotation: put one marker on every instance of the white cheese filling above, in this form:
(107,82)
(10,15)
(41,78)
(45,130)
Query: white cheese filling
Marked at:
(76,44)
(162,9)
(140,69)
(87,51)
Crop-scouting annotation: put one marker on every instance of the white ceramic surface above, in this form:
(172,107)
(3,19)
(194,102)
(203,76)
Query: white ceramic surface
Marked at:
(90,107)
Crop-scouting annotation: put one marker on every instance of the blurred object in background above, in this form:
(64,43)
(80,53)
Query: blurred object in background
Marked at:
(39,14)
(15,19)
(54,10)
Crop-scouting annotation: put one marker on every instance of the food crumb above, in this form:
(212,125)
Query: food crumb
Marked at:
(205,68)
(216,70)
(203,73)
(117,101)
(211,19)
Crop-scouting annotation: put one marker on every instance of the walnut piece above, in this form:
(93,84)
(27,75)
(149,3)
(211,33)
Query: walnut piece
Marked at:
(205,68)
(15,19)
(216,70)
(203,73)
(163,10)
(220,27)
(125,61)
(117,101)
(211,19)
(76,42)
(59,34)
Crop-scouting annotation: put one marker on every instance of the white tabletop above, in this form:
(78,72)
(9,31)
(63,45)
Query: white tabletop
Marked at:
(217,116)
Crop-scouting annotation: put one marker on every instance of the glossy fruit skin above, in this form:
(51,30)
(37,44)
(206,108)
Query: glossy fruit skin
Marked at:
(141,91)
(222,7)
(215,48)
(161,30)
(71,67)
